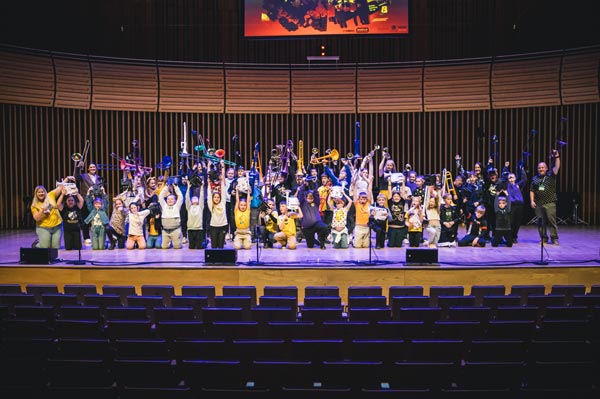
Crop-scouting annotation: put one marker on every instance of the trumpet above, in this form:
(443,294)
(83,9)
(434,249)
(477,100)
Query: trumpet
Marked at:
(333,155)
(385,153)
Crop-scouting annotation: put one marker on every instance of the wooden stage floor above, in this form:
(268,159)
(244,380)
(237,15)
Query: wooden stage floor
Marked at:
(575,261)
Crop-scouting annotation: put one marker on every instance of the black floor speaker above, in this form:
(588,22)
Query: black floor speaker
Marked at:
(39,256)
(421,256)
(223,256)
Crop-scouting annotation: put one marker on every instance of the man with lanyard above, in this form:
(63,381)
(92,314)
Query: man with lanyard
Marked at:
(543,198)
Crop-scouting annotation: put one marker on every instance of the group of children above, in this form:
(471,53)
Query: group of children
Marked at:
(337,210)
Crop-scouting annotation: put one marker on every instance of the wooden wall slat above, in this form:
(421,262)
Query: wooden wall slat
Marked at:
(73,84)
(26,79)
(459,87)
(124,87)
(527,83)
(580,78)
(191,89)
(323,91)
(257,91)
(390,90)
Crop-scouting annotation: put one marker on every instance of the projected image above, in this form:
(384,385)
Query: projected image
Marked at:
(280,18)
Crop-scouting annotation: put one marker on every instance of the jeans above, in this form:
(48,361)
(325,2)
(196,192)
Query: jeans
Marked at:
(49,236)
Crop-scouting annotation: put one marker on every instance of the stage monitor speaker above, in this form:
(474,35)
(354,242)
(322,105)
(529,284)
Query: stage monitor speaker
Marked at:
(39,256)
(223,256)
(421,256)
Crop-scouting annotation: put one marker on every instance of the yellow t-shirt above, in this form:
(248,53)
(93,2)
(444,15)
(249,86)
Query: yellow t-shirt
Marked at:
(242,219)
(53,219)
(362,213)
(289,225)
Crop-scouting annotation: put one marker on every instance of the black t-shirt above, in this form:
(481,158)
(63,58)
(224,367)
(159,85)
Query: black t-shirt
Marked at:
(71,218)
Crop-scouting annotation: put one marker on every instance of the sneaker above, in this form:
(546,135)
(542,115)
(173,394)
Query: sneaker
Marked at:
(35,243)
(554,242)
(454,244)
(323,246)
(515,241)
(184,241)
(405,241)
(87,241)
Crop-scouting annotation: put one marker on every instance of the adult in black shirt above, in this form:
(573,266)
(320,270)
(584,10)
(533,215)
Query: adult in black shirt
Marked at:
(543,198)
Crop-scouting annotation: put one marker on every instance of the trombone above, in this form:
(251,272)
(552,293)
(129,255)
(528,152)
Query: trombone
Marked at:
(333,155)
(449,183)
(78,157)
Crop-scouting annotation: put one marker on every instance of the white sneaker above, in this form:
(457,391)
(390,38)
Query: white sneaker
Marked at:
(454,244)
(405,241)
(227,237)
(184,241)
(87,241)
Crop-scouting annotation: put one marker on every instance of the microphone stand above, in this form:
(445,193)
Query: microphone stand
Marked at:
(257,232)
(541,230)
(77,262)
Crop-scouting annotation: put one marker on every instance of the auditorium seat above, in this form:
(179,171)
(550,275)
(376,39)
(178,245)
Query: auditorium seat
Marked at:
(353,374)
(81,290)
(435,291)
(207,291)
(155,348)
(367,301)
(481,314)
(525,290)
(149,303)
(346,330)
(199,349)
(398,302)
(511,329)
(164,291)
(494,351)
(173,313)
(245,302)
(370,314)
(151,373)
(321,302)
(280,290)
(517,313)
(102,300)
(45,313)
(17,299)
(250,350)
(212,314)
(360,290)
(317,350)
(264,314)
(479,291)
(129,329)
(446,301)
(79,329)
(10,289)
(587,300)
(387,351)
(79,312)
(77,392)
(195,302)
(277,374)
(38,289)
(542,301)
(26,328)
(568,290)
(203,373)
(428,315)
(405,290)
(84,348)
(233,329)
(453,329)
(172,330)
(566,313)
(126,313)
(57,300)
(241,290)
(179,392)
(79,372)
(407,330)
(319,315)
(122,290)
(564,330)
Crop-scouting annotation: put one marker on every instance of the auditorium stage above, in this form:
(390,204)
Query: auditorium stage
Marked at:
(575,261)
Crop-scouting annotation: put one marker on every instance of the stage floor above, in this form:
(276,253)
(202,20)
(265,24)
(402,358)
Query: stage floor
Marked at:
(579,246)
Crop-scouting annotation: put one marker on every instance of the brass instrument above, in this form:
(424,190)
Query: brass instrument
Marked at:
(449,183)
(78,157)
(300,156)
(371,154)
(215,159)
(165,165)
(385,153)
(333,155)
(131,166)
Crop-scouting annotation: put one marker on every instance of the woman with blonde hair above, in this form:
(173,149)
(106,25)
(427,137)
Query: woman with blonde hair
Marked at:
(48,222)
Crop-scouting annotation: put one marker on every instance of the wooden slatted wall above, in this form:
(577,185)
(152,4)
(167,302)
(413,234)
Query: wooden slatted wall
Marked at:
(73,83)
(456,87)
(191,89)
(390,89)
(26,79)
(258,91)
(530,83)
(324,91)
(580,78)
(124,87)
(37,142)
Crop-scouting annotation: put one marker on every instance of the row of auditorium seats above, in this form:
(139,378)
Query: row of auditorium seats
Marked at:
(274,368)
(126,292)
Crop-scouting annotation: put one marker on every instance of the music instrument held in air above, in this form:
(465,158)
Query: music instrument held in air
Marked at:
(333,155)
(78,157)
(371,154)
(300,156)
(449,183)
(131,166)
